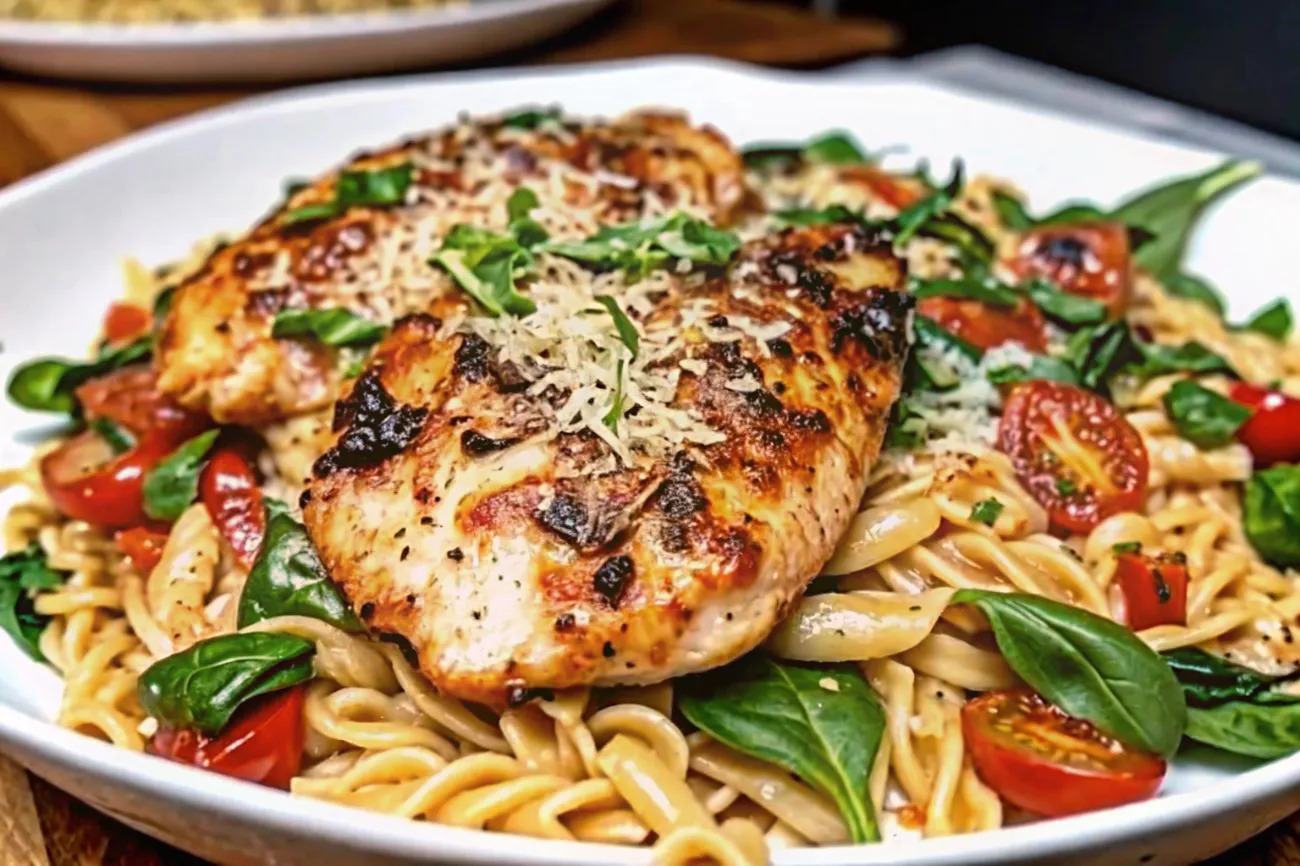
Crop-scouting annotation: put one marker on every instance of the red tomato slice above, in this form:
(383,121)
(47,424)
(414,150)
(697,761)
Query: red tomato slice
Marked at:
(130,397)
(143,546)
(1049,763)
(263,742)
(229,489)
(987,326)
(125,321)
(1089,259)
(899,192)
(85,481)
(1074,453)
(1155,589)
(1273,433)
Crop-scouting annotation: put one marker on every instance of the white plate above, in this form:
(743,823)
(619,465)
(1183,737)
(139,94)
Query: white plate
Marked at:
(61,235)
(285,48)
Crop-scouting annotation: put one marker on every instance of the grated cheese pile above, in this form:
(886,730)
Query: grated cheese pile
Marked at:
(579,367)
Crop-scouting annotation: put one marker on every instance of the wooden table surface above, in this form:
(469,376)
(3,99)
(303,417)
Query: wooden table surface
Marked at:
(43,123)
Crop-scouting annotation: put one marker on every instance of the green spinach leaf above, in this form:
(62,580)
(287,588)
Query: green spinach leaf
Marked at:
(380,187)
(333,327)
(1208,679)
(1090,667)
(533,117)
(818,216)
(173,484)
(1202,417)
(1042,367)
(1171,211)
(823,724)
(1272,514)
(49,384)
(989,292)
(640,247)
(910,221)
(203,686)
(487,265)
(117,438)
(288,579)
(1272,321)
(1268,731)
(1194,288)
(1062,307)
(834,147)
(24,573)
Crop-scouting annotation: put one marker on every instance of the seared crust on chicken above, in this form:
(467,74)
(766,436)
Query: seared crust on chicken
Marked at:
(217,353)
(455,510)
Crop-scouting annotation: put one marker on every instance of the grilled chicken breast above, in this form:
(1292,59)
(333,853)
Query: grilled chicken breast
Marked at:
(480,502)
(217,353)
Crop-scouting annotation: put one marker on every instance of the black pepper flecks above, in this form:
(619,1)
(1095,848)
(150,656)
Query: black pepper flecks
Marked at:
(456,554)
(607,650)
(475,444)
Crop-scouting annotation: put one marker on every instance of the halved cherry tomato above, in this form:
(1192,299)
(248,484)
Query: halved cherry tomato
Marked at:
(1155,589)
(1273,433)
(229,489)
(262,743)
(899,192)
(1049,763)
(143,546)
(130,397)
(987,326)
(125,321)
(1088,259)
(87,482)
(1074,453)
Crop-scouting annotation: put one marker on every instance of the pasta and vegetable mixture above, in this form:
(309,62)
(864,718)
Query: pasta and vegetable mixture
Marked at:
(594,480)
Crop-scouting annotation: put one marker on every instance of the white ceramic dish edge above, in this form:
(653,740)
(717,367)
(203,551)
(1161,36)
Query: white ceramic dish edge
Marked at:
(216,813)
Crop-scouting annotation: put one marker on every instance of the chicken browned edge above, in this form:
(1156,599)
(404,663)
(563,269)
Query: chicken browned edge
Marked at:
(216,351)
(450,516)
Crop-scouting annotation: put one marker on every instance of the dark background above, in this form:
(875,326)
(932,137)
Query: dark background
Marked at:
(1238,59)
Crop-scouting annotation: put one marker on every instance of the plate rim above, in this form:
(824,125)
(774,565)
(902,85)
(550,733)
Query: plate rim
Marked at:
(246,803)
(298,29)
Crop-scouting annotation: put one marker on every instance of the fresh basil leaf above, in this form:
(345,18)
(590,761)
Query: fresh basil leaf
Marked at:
(1092,668)
(1194,288)
(203,686)
(486,266)
(823,724)
(50,384)
(1202,417)
(699,242)
(22,574)
(1272,321)
(1157,359)
(521,203)
(615,413)
(906,431)
(1266,731)
(817,216)
(1042,367)
(835,148)
(527,231)
(1172,210)
(1074,212)
(118,439)
(1011,211)
(1097,354)
(975,250)
(173,483)
(1272,514)
(928,368)
(909,222)
(1208,679)
(333,327)
(533,117)
(380,187)
(930,332)
(640,247)
(288,579)
(992,293)
(626,330)
(986,511)
(1062,307)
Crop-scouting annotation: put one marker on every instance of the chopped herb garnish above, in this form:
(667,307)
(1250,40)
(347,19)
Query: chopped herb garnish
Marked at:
(533,117)
(986,511)
(487,266)
(381,187)
(909,222)
(333,327)
(1130,547)
(615,412)
(117,438)
(626,330)
(640,247)
(1066,486)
